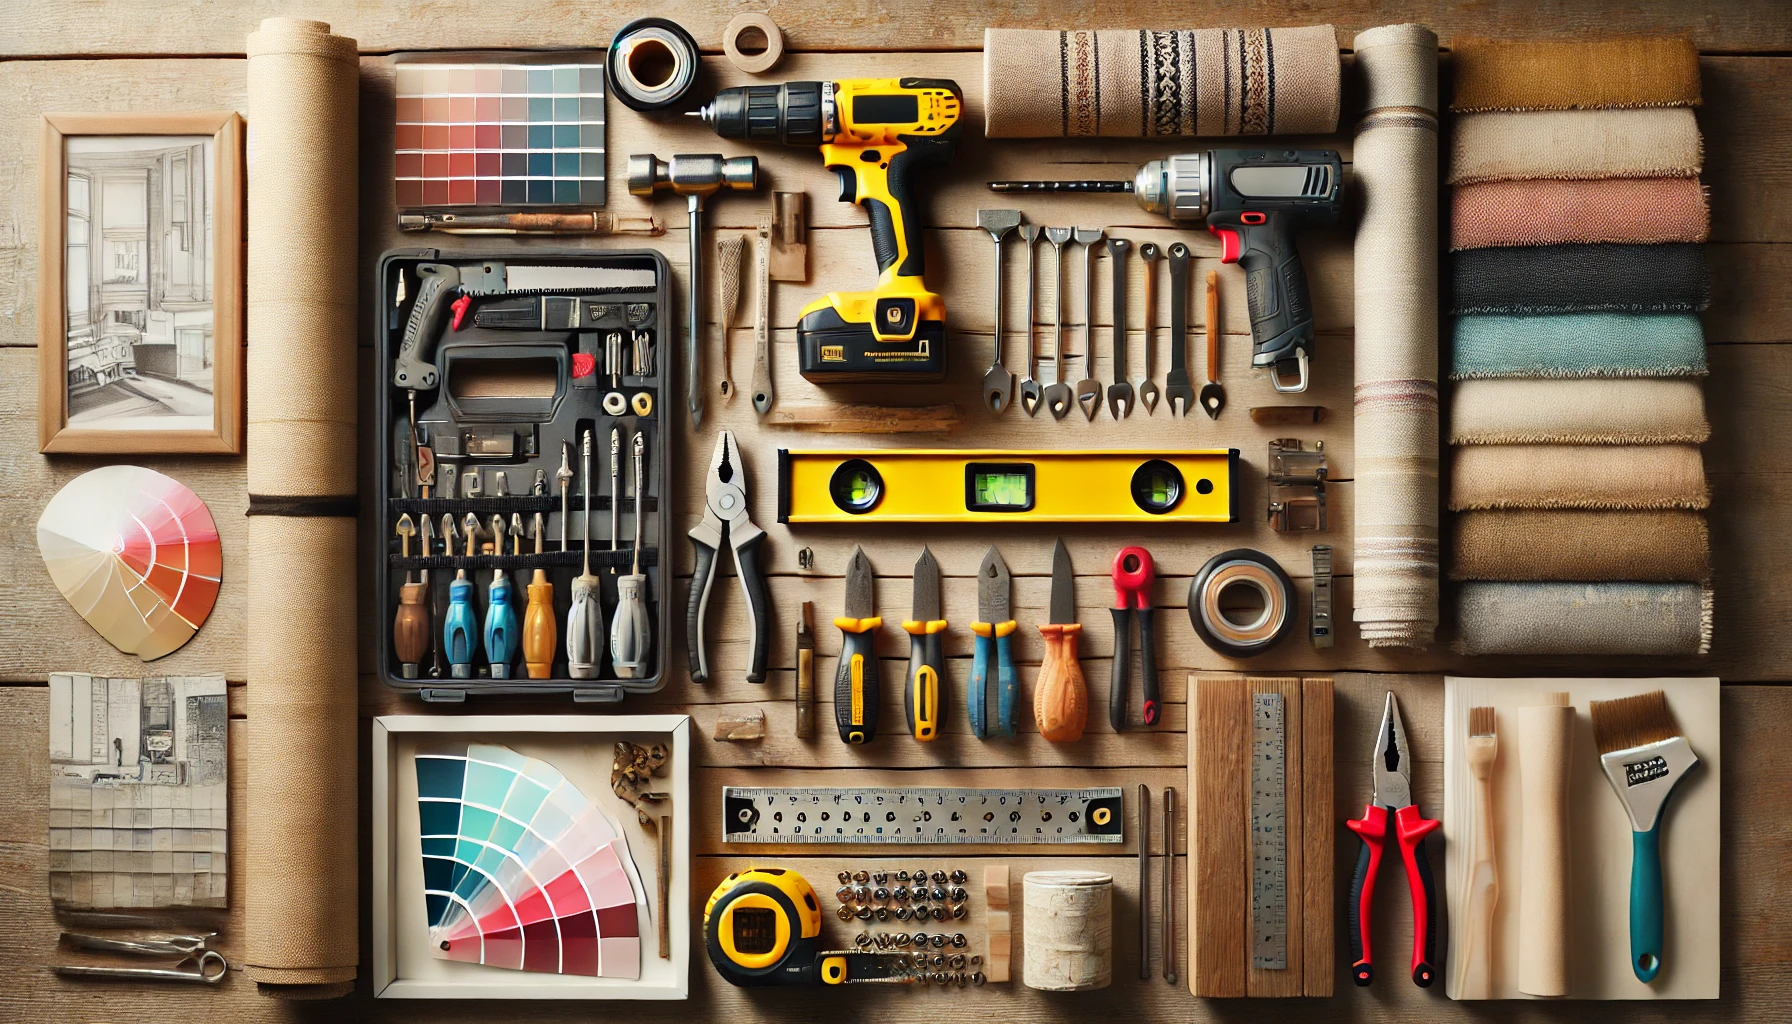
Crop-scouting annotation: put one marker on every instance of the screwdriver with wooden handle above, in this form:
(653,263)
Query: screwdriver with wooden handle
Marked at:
(631,634)
(410,629)
(460,638)
(539,632)
(585,620)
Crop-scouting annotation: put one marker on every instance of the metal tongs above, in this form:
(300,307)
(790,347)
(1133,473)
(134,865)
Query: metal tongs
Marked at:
(193,962)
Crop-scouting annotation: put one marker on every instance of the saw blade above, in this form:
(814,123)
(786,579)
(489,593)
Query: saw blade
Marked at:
(496,278)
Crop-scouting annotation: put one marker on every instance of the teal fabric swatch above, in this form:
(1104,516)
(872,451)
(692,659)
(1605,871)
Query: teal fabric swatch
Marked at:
(1577,345)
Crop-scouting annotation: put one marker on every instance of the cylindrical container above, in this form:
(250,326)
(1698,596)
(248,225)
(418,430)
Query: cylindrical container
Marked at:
(1545,753)
(1067,924)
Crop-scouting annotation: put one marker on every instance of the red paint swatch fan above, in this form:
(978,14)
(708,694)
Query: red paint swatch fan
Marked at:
(137,555)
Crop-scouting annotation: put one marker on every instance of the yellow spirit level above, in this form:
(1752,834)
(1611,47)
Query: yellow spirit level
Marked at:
(762,927)
(940,485)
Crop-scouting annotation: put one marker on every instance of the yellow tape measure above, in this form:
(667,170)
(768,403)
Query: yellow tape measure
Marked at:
(762,927)
(975,485)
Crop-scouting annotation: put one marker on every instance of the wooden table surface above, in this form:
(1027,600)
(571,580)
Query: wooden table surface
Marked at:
(68,55)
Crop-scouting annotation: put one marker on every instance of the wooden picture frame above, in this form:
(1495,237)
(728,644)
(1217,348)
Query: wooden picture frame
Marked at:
(156,308)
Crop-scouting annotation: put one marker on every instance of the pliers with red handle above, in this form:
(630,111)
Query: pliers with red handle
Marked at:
(1393,792)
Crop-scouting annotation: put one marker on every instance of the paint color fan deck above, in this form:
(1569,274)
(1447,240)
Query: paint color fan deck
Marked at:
(521,870)
(500,135)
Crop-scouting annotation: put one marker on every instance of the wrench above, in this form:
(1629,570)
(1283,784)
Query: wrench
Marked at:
(1030,392)
(1149,255)
(998,383)
(1088,390)
(1057,393)
(763,392)
(1119,392)
(1178,390)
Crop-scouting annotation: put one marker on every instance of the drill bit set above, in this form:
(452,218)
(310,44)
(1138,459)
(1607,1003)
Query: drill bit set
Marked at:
(522,398)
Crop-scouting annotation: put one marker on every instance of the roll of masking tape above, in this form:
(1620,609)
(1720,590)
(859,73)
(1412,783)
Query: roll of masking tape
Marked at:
(753,42)
(1241,603)
(652,64)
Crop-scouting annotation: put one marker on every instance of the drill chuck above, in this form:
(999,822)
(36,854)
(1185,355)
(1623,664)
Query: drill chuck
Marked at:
(1176,187)
(792,113)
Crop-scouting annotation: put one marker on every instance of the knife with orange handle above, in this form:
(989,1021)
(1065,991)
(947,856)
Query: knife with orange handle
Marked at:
(1061,700)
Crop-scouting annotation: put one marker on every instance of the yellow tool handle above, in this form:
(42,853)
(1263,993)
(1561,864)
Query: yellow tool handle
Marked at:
(539,632)
(1061,700)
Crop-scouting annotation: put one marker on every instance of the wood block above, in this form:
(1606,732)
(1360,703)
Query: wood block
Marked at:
(1318,830)
(999,923)
(1219,875)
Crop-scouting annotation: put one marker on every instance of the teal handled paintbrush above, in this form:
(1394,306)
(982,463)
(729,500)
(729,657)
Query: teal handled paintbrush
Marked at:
(1644,757)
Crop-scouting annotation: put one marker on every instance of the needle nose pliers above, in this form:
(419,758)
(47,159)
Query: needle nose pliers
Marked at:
(726,519)
(1393,793)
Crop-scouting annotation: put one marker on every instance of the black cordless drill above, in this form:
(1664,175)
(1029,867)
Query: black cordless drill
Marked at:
(1251,199)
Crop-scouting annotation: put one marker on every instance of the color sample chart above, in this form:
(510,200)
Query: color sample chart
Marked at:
(520,870)
(500,135)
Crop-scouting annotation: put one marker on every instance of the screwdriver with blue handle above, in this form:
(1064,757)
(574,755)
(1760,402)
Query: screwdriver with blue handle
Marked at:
(926,658)
(994,663)
(585,620)
(459,638)
(856,690)
(500,617)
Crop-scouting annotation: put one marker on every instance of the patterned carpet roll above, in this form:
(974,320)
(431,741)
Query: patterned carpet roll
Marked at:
(1577,345)
(1580,279)
(1582,546)
(1131,83)
(1546,74)
(1583,618)
(1537,476)
(1624,210)
(1575,145)
(1578,412)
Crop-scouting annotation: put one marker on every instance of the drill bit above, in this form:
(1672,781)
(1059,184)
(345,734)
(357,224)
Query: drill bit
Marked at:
(584,621)
(631,633)
(565,477)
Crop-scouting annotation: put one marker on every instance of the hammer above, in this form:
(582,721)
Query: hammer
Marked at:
(696,177)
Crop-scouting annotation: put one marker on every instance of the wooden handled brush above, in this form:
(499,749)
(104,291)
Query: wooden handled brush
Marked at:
(1644,757)
(1475,973)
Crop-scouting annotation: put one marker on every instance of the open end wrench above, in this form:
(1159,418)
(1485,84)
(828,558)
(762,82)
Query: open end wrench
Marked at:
(1119,392)
(1149,255)
(1213,397)
(1031,394)
(998,383)
(1057,393)
(1178,391)
(1088,390)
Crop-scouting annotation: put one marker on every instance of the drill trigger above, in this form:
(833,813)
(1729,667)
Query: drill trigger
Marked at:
(1229,244)
(849,184)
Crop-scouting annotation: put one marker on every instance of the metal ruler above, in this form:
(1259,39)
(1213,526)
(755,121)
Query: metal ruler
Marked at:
(1269,834)
(912,816)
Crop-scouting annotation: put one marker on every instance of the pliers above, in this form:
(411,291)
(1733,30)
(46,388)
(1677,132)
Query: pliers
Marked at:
(1133,578)
(725,518)
(1393,792)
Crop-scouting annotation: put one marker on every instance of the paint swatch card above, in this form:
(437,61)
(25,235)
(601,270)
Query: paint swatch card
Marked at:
(500,135)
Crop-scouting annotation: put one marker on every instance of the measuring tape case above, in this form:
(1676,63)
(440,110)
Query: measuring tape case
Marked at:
(946,485)
(523,404)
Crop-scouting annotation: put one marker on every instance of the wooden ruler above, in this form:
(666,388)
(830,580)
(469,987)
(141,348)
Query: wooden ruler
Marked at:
(1260,835)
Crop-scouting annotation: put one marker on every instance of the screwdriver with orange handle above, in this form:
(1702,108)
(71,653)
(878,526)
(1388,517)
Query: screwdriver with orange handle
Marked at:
(410,629)
(1061,699)
(539,631)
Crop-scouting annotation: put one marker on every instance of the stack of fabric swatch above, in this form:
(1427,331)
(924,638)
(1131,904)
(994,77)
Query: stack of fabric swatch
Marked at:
(1577,274)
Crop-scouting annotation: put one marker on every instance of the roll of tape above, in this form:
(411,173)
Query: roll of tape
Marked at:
(652,64)
(752,25)
(1224,628)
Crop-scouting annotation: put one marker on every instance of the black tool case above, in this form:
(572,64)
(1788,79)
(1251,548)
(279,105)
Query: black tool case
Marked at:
(512,386)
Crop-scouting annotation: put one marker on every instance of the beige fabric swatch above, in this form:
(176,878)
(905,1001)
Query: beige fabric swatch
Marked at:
(1656,476)
(1582,546)
(1576,145)
(1577,412)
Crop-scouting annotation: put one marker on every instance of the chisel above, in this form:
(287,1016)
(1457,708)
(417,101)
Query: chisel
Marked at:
(631,634)
(926,659)
(410,629)
(584,621)
(856,690)
(459,638)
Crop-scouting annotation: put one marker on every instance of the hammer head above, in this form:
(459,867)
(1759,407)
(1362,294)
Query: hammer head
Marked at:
(692,174)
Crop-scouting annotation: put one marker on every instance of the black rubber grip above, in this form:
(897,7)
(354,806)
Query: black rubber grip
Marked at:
(859,644)
(1148,666)
(752,580)
(701,578)
(1275,283)
(1361,971)
(1120,681)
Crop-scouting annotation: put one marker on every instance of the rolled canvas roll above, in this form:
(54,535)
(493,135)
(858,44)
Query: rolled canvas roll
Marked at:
(1578,412)
(1133,83)
(1583,618)
(1643,476)
(1545,771)
(1580,545)
(1575,145)
(1670,278)
(1577,345)
(301,898)
(1644,211)
(1575,74)
(1395,167)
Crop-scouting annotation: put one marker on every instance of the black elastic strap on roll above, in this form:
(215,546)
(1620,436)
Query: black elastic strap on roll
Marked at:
(329,506)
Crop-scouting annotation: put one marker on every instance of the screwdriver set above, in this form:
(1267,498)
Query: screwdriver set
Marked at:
(522,475)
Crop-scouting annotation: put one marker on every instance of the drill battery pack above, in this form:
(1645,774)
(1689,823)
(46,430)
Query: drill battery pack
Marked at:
(831,350)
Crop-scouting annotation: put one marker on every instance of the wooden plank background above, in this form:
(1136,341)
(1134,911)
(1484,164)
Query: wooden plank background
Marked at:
(70,55)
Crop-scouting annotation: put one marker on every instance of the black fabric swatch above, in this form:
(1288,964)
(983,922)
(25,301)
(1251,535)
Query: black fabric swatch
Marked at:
(1580,279)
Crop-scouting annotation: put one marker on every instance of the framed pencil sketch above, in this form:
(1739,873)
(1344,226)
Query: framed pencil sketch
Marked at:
(140,283)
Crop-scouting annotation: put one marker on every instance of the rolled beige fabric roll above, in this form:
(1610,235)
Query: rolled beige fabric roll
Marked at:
(301,894)
(1395,166)
(1545,763)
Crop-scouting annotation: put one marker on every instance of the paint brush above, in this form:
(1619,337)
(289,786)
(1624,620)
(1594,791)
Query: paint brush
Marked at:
(1479,752)
(1644,757)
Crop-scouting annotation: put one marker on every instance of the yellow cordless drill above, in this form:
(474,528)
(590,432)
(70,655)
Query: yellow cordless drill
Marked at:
(875,134)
